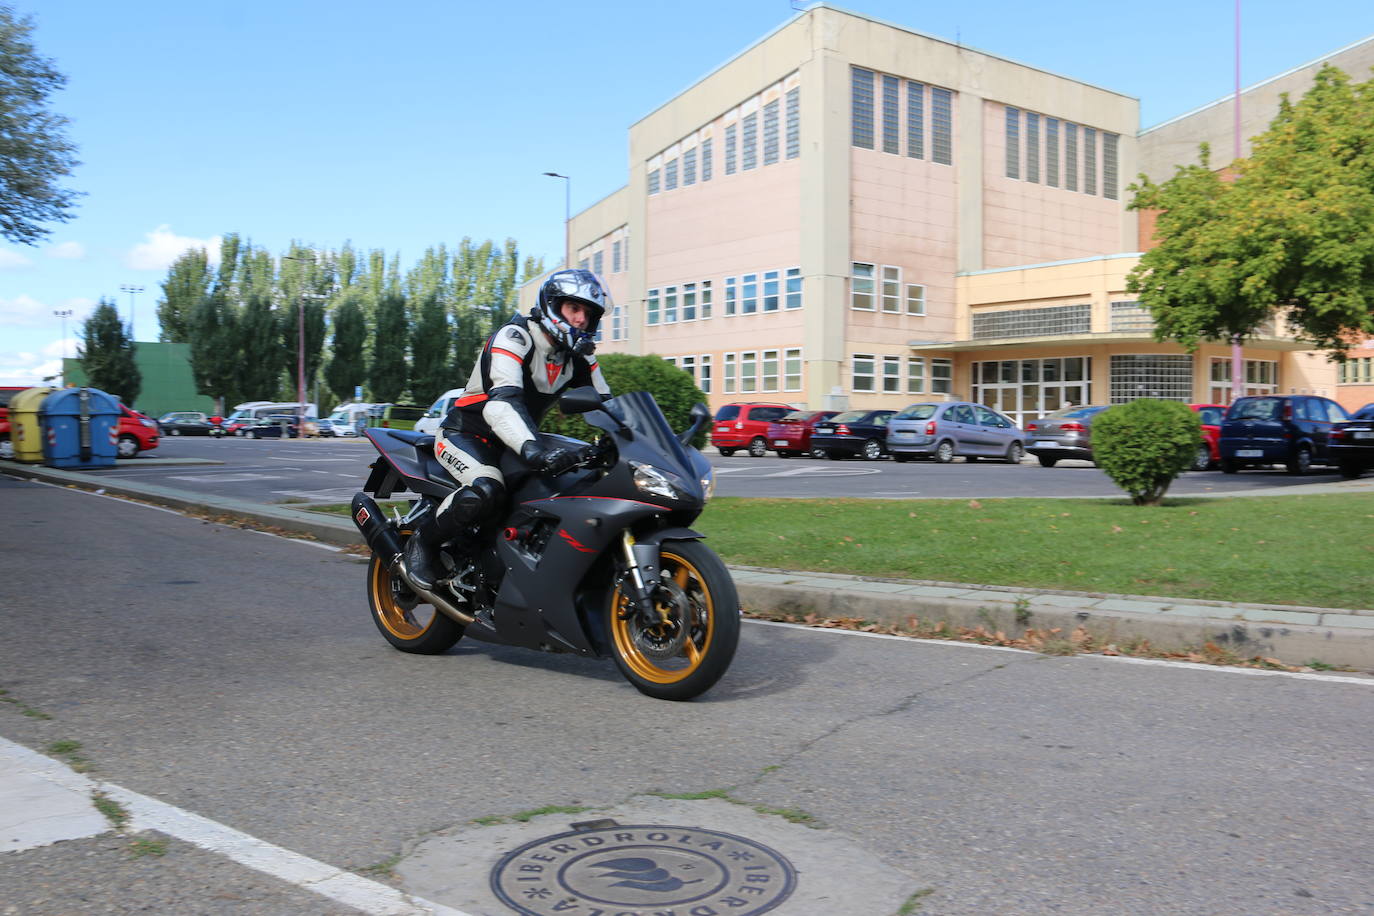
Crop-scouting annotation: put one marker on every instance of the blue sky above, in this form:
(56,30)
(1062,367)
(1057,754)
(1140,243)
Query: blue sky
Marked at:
(407,124)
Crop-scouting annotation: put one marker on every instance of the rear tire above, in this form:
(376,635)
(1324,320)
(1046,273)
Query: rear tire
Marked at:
(175,432)
(1301,462)
(944,452)
(872,450)
(757,448)
(816,452)
(665,661)
(1203,459)
(394,607)
(6,448)
(1046,461)
(1015,452)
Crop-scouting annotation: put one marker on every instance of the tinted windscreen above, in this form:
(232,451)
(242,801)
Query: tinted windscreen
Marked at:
(917,412)
(728,412)
(407,413)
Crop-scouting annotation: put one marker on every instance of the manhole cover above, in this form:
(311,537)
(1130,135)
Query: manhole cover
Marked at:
(642,870)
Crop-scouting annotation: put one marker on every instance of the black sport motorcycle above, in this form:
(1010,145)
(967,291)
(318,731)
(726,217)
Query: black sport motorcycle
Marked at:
(598,561)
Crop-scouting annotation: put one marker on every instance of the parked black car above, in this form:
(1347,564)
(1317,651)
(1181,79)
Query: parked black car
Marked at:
(854,433)
(1352,443)
(1289,429)
(271,427)
(186,423)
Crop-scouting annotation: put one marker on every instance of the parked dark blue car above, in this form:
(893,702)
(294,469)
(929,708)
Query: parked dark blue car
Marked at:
(1293,430)
(854,433)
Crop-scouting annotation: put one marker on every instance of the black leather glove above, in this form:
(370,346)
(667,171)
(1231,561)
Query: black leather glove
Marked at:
(550,461)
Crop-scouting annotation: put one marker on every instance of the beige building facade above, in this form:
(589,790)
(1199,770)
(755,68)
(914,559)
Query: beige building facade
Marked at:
(854,214)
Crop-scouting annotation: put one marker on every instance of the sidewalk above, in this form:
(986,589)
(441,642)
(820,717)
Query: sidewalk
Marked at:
(1293,635)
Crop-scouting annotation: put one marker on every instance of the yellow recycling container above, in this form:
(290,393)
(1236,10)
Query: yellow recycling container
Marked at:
(26,433)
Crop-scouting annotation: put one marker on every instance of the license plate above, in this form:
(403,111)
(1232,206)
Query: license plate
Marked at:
(722,429)
(903,436)
(1045,443)
(1362,434)
(825,430)
(1249,453)
(781,443)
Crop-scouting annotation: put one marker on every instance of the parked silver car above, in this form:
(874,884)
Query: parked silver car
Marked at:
(943,429)
(1066,433)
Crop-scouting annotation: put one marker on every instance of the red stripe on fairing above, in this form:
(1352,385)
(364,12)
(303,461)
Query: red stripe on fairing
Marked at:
(517,358)
(605,499)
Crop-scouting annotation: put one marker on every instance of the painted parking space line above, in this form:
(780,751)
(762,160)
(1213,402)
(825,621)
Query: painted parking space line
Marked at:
(226,477)
(51,791)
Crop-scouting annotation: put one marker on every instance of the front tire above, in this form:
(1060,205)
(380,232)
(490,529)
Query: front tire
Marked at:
(757,448)
(1301,462)
(126,447)
(816,452)
(394,610)
(691,648)
(1015,452)
(1203,459)
(873,450)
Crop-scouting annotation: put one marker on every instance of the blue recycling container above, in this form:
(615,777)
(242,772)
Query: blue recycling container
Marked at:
(80,428)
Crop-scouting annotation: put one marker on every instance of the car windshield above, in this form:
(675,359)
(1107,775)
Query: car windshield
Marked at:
(728,412)
(917,412)
(1254,409)
(849,416)
(1211,416)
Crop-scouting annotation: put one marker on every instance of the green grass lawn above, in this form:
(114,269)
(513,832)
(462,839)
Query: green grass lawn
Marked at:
(1303,550)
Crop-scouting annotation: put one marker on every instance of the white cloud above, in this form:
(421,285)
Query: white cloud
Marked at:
(13,260)
(163,247)
(24,368)
(67,251)
(27,312)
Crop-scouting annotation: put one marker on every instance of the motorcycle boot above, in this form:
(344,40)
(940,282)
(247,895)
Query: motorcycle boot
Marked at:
(453,516)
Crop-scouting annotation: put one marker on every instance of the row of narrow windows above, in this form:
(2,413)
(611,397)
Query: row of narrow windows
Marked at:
(748,143)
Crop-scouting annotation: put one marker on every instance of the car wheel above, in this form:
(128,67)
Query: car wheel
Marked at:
(175,432)
(1230,466)
(873,450)
(126,447)
(250,434)
(1046,461)
(1203,459)
(726,452)
(816,452)
(757,448)
(944,452)
(6,448)
(901,457)
(1351,469)
(1301,462)
(1015,452)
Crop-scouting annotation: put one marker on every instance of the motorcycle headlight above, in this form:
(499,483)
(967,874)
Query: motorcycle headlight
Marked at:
(652,480)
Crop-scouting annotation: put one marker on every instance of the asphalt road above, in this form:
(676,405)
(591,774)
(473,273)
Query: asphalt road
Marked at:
(332,469)
(238,676)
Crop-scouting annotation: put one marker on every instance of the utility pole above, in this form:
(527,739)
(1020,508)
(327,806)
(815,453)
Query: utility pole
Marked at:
(567,217)
(132,291)
(64,314)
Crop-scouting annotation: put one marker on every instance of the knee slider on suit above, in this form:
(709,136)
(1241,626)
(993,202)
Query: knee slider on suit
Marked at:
(478,500)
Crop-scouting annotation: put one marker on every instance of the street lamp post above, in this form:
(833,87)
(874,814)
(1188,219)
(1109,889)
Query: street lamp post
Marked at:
(132,291)
(64,314)
(567,216)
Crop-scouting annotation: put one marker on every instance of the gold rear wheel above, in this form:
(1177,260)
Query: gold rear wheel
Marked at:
(407,624)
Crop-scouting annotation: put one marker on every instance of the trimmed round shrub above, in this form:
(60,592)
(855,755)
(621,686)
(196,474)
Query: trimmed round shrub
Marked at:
(672,388)
(1143,445)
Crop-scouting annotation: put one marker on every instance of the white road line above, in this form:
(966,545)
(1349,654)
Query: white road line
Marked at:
(61,785)
(308,460)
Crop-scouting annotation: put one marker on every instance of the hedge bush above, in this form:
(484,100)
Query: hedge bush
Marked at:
(1143,445)
(672,388)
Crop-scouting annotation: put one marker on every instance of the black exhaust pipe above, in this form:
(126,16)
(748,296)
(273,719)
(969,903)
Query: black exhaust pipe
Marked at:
(381,538)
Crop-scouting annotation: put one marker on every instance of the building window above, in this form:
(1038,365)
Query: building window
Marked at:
(689,302)
(748,372)
(1070,156)
(793,123)
(653,181)
(1089,161)
(915,120)
(770,132)
(1052,152)
(704,382)
(1261,377)
(892,375)
(792,369)
(729,373)
(1030,388)
(689,167)
(706,159)
(770,370)
(688,364)
(771,299)
(861,287)
(941,126)
(617,324)
(598,262)
(705,299)
(615,257)
(861,372)
(1153,375)
(669,304)
(892,289)
(915,299)
(749,294)
(1131,316)
(942,376)
(915,376)
(731,295)
(730,143)
(794,288)
(1109,166)
(1037,322)
(651,306)
(1013,132)
(861,99)
(749,143)
(1032,147)
(890,113)
(670,175)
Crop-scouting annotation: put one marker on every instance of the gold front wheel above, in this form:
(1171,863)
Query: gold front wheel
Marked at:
(689,643)
(407,624)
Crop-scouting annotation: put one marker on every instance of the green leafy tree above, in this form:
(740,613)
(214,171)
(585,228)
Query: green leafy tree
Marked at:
(673,389)
(1143,445)
(188,282)
(429,349)
(35,154)
(1288,232)
(215,348)
(261,368)
(347,369)
(388,372)
(106,353)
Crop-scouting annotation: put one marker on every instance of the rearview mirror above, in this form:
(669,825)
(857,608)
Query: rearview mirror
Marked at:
(580,400)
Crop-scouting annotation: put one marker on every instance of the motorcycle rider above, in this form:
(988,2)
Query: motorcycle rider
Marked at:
(520,372)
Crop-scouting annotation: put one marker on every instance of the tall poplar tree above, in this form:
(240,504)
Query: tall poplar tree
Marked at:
(187,283)
(430,374)
(260,370)
(346,369)
(388,373)
(215,348)
(106,353)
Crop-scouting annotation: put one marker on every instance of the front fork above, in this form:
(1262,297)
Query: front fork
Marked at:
(641,563)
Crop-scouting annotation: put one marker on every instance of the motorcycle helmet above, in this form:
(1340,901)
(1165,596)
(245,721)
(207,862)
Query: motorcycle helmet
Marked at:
(586,288)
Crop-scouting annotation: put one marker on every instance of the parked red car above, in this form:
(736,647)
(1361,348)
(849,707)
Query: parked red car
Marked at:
(791,435)
(1208,455)
(7,392)
(745,425)
(137,432)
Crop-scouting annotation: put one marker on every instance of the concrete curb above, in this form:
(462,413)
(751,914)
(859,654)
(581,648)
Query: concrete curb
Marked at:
(1293,635)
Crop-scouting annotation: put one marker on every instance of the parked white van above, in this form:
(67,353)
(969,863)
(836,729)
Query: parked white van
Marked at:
(349,419)
(429,423)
